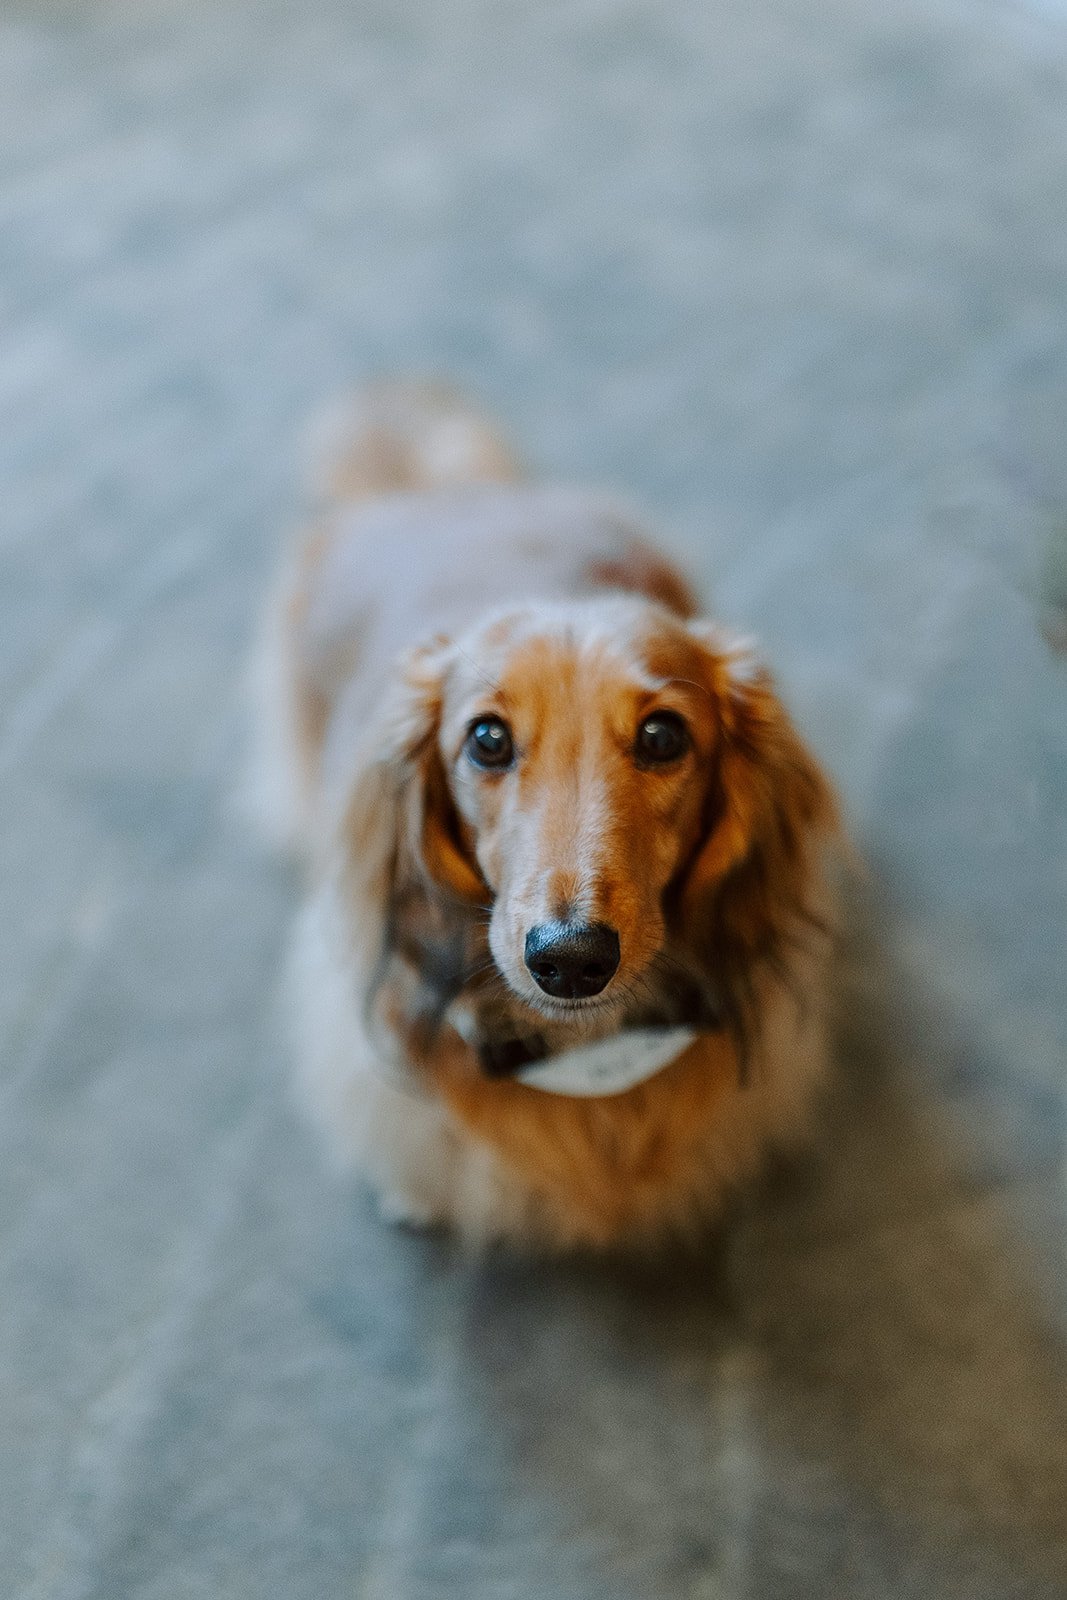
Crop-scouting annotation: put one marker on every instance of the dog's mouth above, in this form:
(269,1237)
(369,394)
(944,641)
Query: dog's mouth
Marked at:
(510,1033)
(574,1010)
(505,1044)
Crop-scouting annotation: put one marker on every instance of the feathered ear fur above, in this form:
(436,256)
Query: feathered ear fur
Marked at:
(753,897)
(409,879)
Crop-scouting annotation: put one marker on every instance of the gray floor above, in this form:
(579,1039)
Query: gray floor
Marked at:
(794,273)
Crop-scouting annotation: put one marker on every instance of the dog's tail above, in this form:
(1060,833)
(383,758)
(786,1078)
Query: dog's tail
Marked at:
(400,437)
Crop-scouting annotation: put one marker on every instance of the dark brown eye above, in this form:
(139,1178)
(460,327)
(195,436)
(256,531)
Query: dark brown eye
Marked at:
(661,738)
(489,744)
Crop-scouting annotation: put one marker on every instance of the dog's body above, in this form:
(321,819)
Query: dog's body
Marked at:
(543,807)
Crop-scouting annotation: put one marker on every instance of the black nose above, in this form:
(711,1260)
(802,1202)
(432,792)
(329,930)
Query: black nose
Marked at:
(572,961)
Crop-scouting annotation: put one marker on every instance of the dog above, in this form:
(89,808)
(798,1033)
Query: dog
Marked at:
(560,976)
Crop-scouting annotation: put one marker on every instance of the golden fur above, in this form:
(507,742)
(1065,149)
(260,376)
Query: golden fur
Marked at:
(438,589)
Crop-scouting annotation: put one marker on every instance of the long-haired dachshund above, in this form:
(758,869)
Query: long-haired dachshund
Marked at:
(560,973)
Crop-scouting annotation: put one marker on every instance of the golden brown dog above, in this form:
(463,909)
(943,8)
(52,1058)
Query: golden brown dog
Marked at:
(548,813)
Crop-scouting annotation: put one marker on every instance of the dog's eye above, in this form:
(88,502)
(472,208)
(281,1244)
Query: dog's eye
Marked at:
(662,737)
(489,744)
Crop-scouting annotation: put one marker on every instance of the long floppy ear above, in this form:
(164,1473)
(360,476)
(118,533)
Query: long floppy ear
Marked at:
(409,878)
(753,897)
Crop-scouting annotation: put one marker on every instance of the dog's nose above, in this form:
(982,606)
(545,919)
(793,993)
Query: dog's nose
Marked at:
(570,960)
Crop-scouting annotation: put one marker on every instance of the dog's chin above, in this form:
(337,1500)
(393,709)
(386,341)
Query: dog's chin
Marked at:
(581,1014)
(586,1019)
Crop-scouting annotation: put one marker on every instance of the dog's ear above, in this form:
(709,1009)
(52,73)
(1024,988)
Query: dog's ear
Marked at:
(410,877)
(751,894)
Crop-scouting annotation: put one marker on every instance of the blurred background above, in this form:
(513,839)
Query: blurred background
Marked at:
(790,272)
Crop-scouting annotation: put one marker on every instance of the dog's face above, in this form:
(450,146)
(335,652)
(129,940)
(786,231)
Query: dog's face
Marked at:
(609,809)
(578,750)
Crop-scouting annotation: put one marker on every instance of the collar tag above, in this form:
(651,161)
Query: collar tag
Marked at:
(610,1066)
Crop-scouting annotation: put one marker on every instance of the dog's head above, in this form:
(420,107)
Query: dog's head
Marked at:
(581,817)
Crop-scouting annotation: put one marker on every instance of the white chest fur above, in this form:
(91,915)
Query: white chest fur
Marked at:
(611,1065)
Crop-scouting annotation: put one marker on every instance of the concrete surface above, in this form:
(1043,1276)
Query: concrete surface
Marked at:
(793,272)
